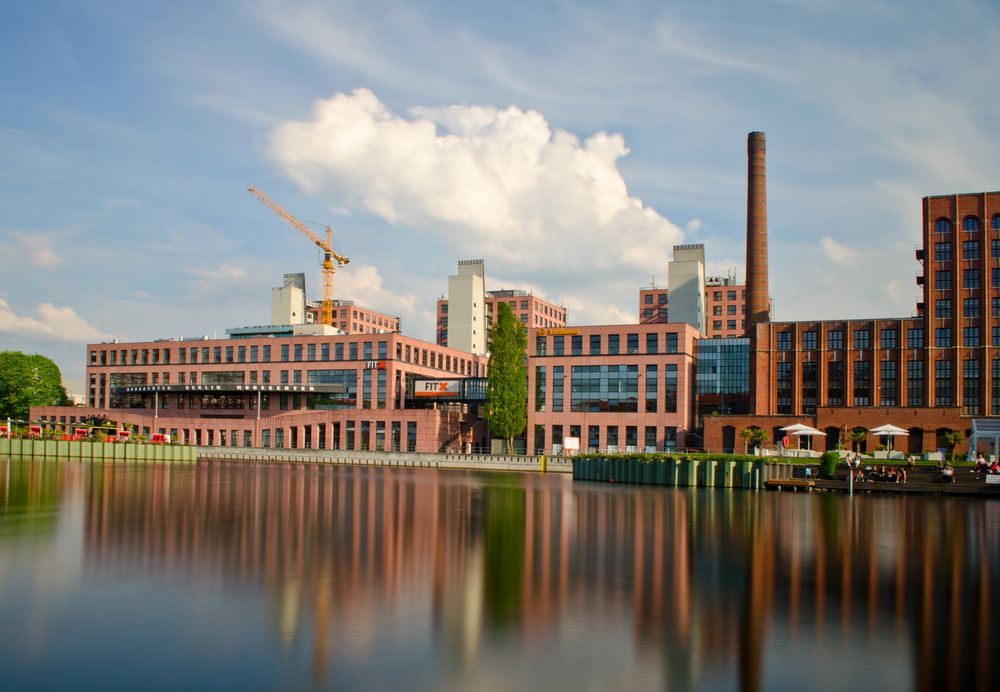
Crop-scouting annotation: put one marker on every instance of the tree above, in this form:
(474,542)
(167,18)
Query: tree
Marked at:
(951,439)
(857,438)
(27,381)
(507,377)
(752,435)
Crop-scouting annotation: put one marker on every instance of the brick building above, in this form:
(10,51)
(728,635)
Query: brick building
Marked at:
(355,319)
(931,373)
(725,307)
(320,392)
(529,309)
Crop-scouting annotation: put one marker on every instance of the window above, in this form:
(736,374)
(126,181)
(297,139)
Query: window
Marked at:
(861,338)
(730,309)
(835,383)
(730,324)
(670,388)
(915,337)
(595,344)
(661,313)
(889,392)
(809,387)
(995,307)
(651,388)
(599,388)
(284,353)
(809,340)
(671,342)
(970,307)
(942,383)
(633,343)
(614,347)
(995,243)
(971,223)
(717,311)
(887,339)
(835,340)
(576,345)
(784,376)
(942,252)
(942,226)
(995,224)
(784,341)
(540,344)
(970,387)
(311,352)
(995,336)
(558,388)
(942,308)
(647,313)
(995,277)
(942,337)
(652,343)
(970,278)
(915,383)
(539,387)
(942,279)
(970,249)
(970,336)
(661,299)
(862,383)
(648,299)
(558,345)
(731,295)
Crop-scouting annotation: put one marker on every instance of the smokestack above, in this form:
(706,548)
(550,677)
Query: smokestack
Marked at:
(758,301)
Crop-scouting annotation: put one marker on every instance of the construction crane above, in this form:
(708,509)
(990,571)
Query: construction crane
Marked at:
(329,254)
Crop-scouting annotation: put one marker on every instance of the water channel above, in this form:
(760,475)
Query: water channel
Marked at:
(254,576)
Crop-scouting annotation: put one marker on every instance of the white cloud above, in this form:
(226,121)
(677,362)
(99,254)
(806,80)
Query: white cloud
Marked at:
(365,282)
(34,249)
(51,322)
(492,182)
(837,253)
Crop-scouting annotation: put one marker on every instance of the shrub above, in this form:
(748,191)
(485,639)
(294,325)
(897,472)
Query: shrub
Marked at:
(828,464)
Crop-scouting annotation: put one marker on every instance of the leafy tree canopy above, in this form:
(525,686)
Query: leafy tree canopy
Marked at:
(507,378)
(27,381)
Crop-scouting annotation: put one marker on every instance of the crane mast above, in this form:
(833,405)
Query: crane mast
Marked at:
(329,254)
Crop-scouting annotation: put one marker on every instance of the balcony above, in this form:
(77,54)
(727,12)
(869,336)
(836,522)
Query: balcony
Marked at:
(920,280)
(920,254)
(920,308)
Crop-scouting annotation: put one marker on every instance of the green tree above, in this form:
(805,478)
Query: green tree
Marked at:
(507,378)
(752,435)
(857,438)
(27,381)
(951,439)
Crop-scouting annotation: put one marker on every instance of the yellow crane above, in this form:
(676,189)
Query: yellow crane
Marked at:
(329,254)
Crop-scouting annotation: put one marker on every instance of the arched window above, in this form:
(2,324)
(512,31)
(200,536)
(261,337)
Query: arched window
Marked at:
(995,224)
(971,223)
(942,226)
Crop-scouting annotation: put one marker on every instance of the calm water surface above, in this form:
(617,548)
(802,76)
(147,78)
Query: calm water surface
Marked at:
(219,576)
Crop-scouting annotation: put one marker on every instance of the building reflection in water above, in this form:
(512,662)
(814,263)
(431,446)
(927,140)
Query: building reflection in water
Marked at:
(718,587)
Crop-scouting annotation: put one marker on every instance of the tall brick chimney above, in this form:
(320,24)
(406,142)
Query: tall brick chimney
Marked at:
(758,300)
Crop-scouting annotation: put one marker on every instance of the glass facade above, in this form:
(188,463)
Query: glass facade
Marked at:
(613,388)
(723,376)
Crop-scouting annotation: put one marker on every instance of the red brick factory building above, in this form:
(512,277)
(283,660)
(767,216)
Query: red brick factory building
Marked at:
(929,374)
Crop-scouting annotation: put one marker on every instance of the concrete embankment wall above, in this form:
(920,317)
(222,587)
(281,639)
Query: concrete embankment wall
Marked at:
(704,473)
(482,462)
(95,451)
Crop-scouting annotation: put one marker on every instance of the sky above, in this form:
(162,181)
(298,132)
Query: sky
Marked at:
(568,144)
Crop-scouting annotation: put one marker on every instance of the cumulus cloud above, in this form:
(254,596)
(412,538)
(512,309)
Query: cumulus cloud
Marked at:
(34,249)
(51,322)
(365,282)
(499,183)
(837,253)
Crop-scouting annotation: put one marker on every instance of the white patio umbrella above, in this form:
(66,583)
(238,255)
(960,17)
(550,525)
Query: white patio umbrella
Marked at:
(889,431)
(806,431)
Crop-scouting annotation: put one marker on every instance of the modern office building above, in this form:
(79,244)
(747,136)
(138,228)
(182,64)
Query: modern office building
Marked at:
(619,387)
(320,392)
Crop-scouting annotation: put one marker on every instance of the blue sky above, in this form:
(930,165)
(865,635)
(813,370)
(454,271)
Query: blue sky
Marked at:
(569,144)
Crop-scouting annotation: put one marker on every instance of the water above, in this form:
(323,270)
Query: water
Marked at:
(229,576)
